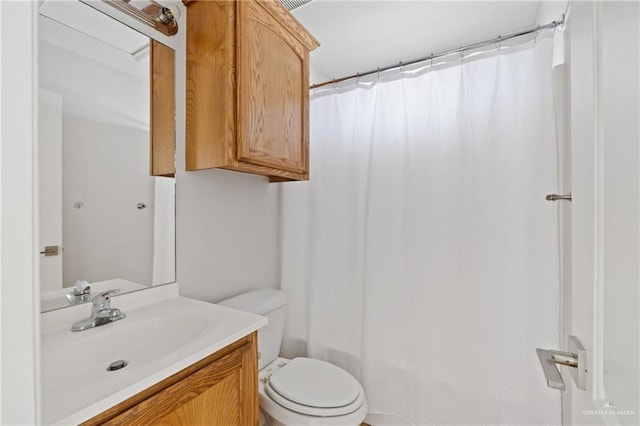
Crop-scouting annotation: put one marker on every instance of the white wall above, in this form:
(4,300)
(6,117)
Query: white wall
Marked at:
(550,11)
(108,237)
(618,312)
(19,294)
(316,75)
(105,157)
(50,186)
(227,233)
(227,222)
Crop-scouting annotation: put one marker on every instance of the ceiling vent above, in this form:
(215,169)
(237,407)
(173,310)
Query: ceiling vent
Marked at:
(293,4)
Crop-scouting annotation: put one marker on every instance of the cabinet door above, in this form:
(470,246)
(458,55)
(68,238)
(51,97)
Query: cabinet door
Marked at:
(273,93)
(222,393)
(163,134)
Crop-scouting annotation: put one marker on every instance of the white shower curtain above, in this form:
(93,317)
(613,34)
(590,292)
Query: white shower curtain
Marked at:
(422,256)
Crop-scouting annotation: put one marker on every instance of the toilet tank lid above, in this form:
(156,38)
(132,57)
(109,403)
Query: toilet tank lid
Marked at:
(260,302)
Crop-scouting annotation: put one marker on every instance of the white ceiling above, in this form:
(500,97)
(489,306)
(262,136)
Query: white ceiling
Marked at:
(361,35)
(88,32)
(95,24)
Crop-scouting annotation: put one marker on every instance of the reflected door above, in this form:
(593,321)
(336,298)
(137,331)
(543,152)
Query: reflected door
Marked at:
(50,188)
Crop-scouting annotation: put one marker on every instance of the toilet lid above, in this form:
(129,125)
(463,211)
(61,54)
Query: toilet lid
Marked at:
(315,383)
(314,411)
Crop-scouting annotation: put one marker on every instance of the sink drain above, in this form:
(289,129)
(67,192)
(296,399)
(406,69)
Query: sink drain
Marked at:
(117,365)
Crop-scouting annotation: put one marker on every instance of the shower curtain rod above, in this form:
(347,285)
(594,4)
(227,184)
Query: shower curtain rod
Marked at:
(499,39)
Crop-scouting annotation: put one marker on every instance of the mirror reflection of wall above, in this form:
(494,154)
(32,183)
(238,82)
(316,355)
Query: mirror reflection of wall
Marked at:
(114,222)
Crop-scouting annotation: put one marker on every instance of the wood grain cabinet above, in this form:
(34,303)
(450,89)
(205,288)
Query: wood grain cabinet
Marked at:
(163,106)
(247,89)
(222,389)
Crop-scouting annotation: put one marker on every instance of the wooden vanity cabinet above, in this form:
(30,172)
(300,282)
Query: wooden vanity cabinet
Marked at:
(222,389)
(247,88)
(163,107)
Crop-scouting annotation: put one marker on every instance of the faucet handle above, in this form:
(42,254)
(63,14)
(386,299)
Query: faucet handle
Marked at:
(101,312)
(104,297)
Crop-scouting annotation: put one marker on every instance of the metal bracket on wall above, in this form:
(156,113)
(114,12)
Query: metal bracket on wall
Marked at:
(576,358)
(50,251)
(556,197)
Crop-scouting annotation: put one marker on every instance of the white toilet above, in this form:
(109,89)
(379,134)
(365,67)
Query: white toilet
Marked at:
(301,391)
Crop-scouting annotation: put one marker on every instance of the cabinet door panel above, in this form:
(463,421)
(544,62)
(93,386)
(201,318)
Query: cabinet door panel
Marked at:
(206,409)
(163,107)
(210,85)
(209,396)
(272,92)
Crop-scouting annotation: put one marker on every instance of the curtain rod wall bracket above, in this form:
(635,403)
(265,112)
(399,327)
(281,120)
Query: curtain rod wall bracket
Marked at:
(556,197)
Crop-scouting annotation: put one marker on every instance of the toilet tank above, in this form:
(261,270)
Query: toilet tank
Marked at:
(270,303)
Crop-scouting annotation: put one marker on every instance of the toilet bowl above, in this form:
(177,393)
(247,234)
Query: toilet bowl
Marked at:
(288,397)
(300,391)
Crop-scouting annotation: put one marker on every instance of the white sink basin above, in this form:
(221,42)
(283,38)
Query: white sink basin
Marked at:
(136,342)
(156,341)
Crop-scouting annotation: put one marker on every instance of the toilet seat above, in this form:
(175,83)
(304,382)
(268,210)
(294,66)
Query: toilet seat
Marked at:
(315,388)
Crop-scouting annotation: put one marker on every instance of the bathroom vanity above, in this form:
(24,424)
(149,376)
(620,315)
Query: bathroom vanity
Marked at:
(220,390)
(186,362)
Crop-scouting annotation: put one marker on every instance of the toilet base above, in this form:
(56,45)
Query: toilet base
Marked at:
(267,420)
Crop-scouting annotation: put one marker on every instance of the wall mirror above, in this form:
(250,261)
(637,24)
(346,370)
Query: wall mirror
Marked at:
(104,218)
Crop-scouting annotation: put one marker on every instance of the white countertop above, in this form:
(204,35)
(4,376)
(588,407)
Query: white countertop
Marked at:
(157,339)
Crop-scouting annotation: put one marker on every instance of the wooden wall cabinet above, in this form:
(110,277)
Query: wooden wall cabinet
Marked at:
(247,89)
(222,389)
(163,107)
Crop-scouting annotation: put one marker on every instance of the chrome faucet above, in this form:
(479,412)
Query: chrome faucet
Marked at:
(80,293)
(101,312)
